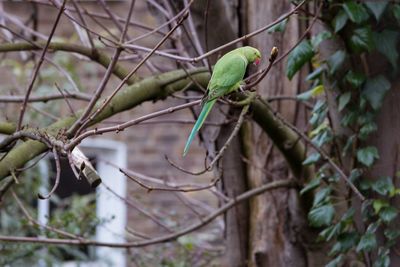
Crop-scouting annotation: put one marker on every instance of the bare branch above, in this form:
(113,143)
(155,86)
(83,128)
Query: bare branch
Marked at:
(169,237)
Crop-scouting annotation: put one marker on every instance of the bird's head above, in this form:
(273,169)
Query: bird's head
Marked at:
(252,54)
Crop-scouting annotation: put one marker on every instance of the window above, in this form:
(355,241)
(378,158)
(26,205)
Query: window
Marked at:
(108,207)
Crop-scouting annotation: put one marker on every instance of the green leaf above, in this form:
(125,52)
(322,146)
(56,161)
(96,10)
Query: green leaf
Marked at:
(386,43)
(392,234)
(356,12)
(280,27)
(313,158)
(377,7)
(330,232)
(354,175)
(388,214)
(355,79)
(367,242)
(349,144)
(339,21)
(344,99)
(383,185)
(315,74)
(322,138)
(321,128)
(367,155)
(321,196)
(383,259)
(336,262)
(336,61)
(317,90)
(345,242)
(317,39)
(298,57)
(321,216)
(348,215)
(375,89)
(396,12)
(362,40)
(314,183)
(367,129)
(378,204)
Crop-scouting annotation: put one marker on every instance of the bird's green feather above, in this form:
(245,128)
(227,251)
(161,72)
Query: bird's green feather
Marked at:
(202,117)
(227,74)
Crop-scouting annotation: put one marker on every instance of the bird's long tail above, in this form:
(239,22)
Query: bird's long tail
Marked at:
(202,117)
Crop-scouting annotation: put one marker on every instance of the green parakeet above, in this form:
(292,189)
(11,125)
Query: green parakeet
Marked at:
(227,75)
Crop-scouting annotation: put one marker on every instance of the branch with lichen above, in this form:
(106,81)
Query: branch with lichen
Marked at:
(160,87)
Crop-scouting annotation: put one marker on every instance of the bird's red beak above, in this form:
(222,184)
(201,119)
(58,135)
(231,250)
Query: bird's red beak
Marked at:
(257,61)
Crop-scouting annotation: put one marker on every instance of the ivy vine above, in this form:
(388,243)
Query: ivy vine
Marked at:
(362,29)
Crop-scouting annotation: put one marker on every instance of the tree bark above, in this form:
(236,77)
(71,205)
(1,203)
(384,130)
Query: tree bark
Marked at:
(277,219)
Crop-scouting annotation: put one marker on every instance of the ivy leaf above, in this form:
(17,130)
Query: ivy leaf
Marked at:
(320,129)
(339,21)
(355,79)
(345,242)
(298,57)
(330,232)
(361,40)
(392,234)
(383,185)
(378,204)
(388,214)
(354,175)
(314,157)
(396,12)
(348,215)
(386,43)
(316,91)
(344,99)
(335,61)
(356,12)
(280,27)
(335,262)
(377,8)
(349,144)
(317,39)
(367,155)
(367,129)
(375,89)
(314,183)
(383,259)
(321,216)
(315,74)
(321,196)
(367,242)
(322,138)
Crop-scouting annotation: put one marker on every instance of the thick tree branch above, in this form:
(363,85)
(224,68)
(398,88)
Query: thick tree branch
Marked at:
(150,89)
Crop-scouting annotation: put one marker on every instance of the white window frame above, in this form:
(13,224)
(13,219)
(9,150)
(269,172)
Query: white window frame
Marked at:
(107,205)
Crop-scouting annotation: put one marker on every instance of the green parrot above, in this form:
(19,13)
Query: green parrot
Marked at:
(227,75)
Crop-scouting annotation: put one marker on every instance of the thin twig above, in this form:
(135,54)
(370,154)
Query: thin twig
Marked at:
(169,237)
(58,175)
(169,188)
(323,154)
(81,125)
(36,72)
(35,222)
(225,146)
(75,141)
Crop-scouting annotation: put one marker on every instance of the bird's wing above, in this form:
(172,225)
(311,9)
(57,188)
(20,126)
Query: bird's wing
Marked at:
(227,74)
